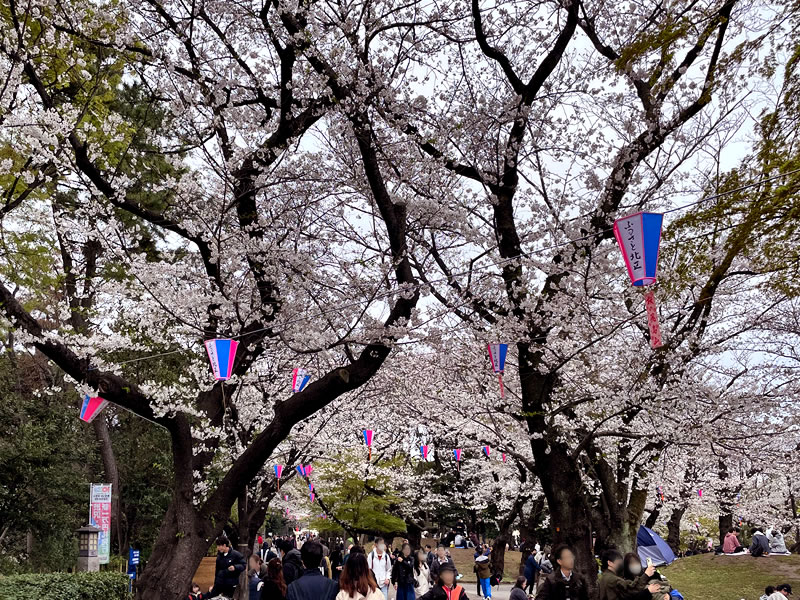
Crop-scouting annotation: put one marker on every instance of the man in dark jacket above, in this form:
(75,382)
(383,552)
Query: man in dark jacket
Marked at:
(532,569)
(563,583)
(312,585)
(230,565)
(292,561)
(439,560)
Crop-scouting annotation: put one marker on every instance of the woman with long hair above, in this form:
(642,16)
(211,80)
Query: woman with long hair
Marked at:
(357,581)
(422,573)
(518,591)
(274,587)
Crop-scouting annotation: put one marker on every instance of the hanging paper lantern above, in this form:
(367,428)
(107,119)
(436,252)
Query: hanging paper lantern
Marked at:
(487,451)
(278,473)
(504,456)
(300,378)
(368,440)
(309,468)
(457,454)
(311,495)
(91,408)
(286,497)
(310,487)
(697,525)
(301,469)
(221,353)
(497,354)
(639,237)
(700,493)
(423,450)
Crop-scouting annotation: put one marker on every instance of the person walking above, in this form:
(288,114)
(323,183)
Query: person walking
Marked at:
(357,581)
(312,585)
(532,569)
(291,560)
(250,583)
(563,583)
(229,565)
(422,574)
(381,566)
(403,574)
(446,587)
(439,561)
(274,587)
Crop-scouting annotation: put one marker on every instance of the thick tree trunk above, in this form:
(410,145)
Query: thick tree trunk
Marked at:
(176,556)
(111,473)
(569,512)
(652,518)
(674,529)
(244,523)
(498,556)
(725,524)
(414,534)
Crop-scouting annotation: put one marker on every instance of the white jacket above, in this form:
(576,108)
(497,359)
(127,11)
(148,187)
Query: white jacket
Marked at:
(423,580)
(375,595)
(381,567)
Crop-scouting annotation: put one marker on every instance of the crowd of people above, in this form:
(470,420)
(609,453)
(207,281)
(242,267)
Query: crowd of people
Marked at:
(305,568)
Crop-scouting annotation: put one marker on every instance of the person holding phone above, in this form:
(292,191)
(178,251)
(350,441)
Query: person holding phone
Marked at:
(613,586)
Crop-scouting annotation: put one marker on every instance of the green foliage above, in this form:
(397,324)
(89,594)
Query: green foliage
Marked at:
(65,586)
(363,501)
(46,462)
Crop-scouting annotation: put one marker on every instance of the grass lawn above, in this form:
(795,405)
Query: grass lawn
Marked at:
(710,577)
(465,560)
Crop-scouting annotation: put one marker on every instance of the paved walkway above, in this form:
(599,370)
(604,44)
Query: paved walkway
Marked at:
(501,593)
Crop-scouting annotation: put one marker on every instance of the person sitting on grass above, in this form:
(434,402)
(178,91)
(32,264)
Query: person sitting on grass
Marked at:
(768,591)
(760,545)
(782,592)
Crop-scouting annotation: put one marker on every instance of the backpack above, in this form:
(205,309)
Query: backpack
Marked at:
(547,567)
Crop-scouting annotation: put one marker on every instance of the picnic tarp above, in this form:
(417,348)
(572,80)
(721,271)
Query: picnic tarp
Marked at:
(650,545)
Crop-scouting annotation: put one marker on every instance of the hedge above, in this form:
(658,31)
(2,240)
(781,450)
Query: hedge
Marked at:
(65,586)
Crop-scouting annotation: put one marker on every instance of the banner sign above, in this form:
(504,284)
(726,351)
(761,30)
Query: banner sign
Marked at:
(100,517)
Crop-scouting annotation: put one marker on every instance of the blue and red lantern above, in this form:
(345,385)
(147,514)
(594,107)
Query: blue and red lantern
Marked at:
(457,454)
(221,353)
(639,238)
(278,473)
(300,378)
(423,450)
(91,408)
(368,441)
(497,354)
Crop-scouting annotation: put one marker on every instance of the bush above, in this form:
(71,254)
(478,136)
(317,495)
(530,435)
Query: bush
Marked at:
(65,586)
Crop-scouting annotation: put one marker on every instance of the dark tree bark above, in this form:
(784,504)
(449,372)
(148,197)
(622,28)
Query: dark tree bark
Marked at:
(674,528)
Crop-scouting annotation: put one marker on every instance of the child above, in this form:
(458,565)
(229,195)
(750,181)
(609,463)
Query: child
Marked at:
(484,574)
(195,594)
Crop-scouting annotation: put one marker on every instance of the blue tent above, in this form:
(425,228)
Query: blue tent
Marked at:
(650,545)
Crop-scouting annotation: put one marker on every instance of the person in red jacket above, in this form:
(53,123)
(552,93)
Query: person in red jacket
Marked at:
(446,587)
